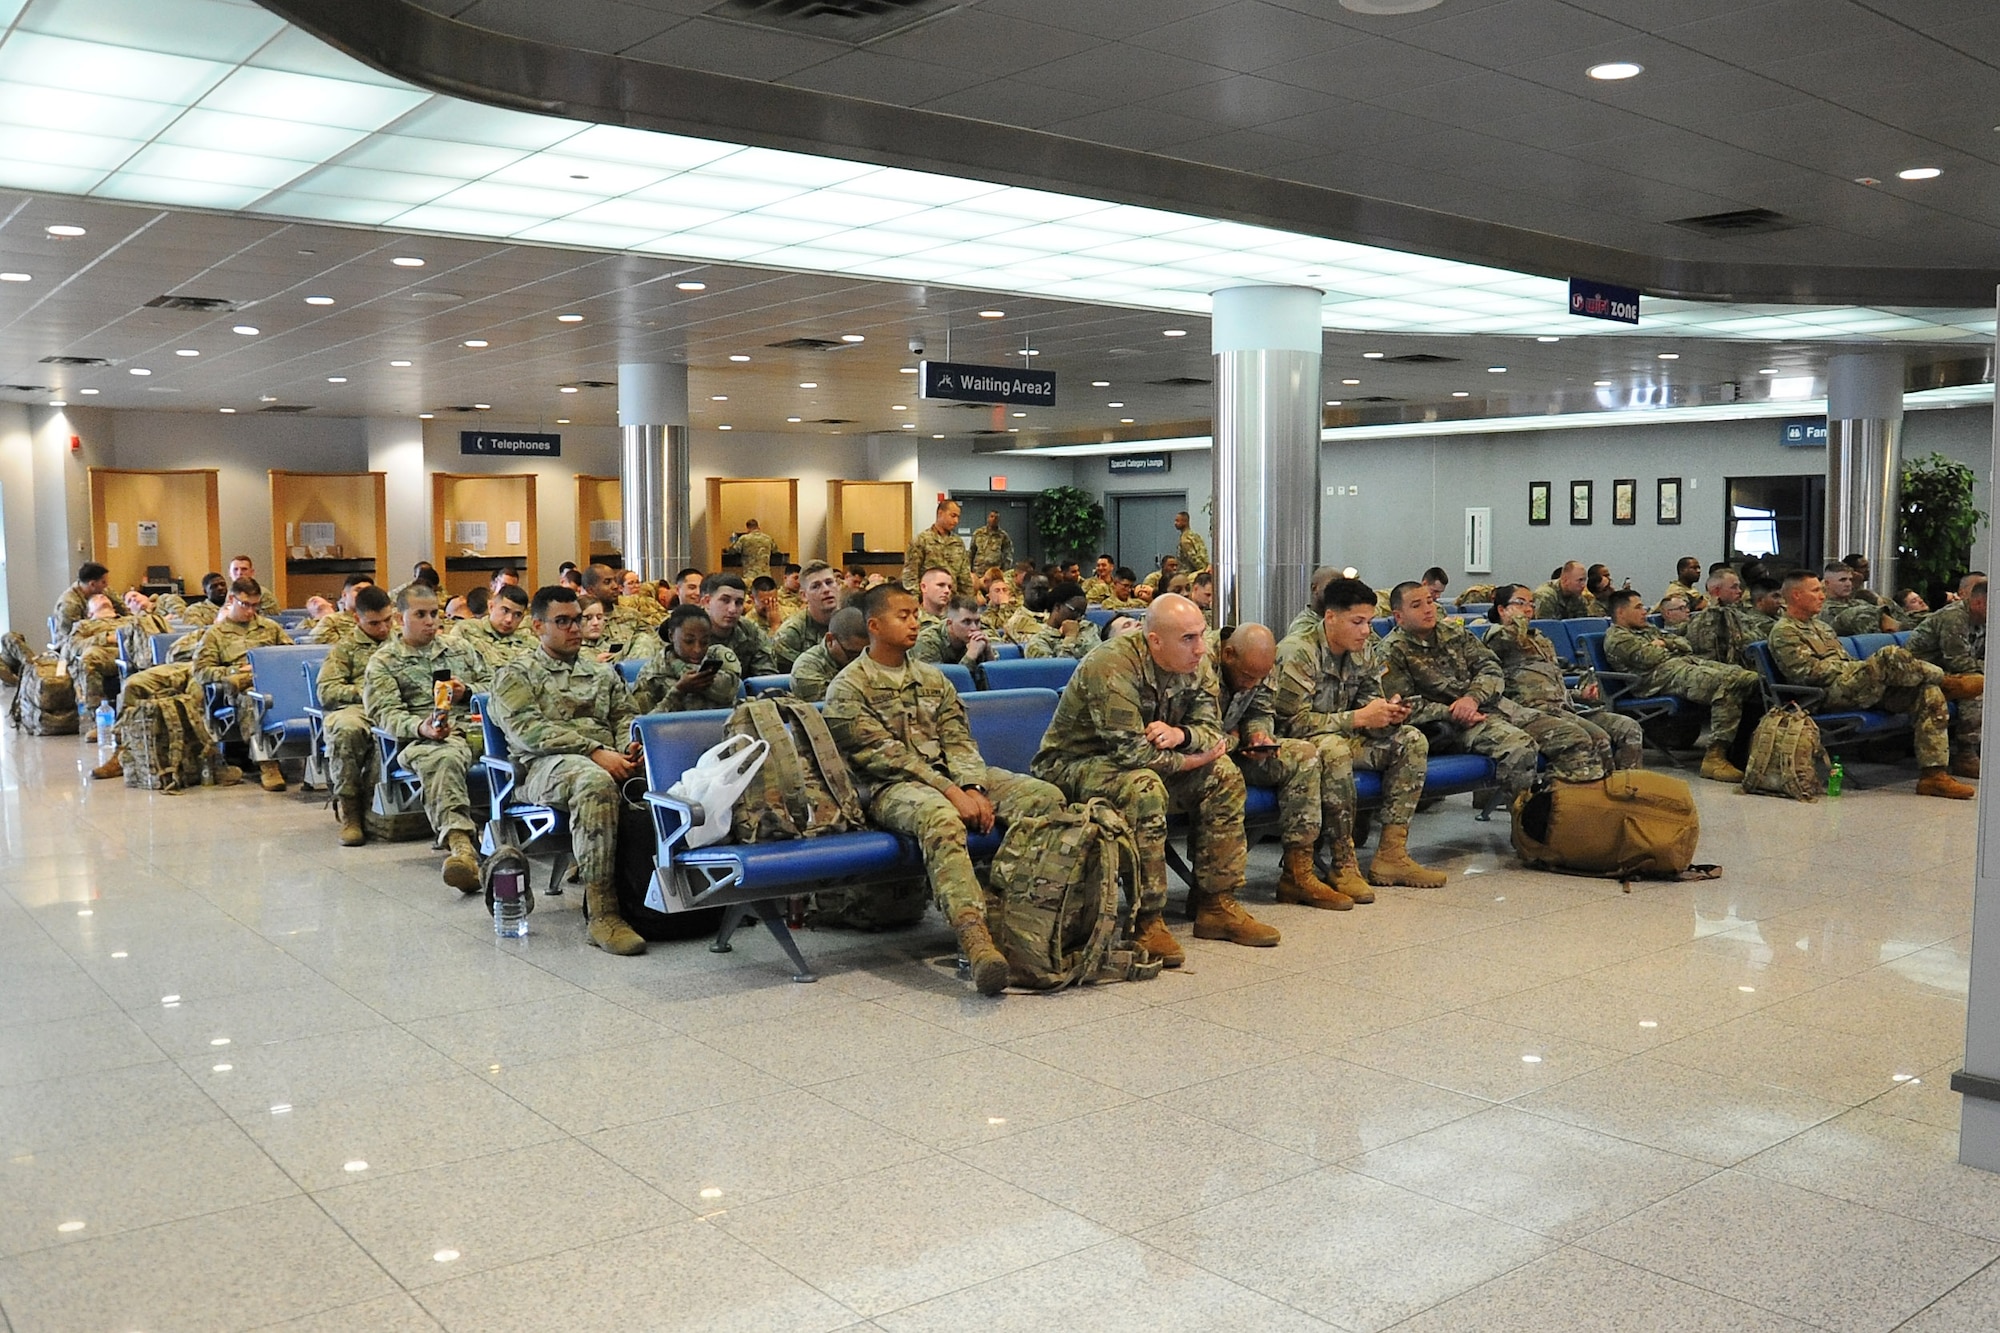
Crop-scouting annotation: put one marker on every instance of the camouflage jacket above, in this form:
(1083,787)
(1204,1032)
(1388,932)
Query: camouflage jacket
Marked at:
(1552,603)
(991,547)
(1317,690)
(813,672)
(72,606)
(547,706)
(1193,553)
(1012,623)
(756,548)
(1241,713)
(1724,633)
(226,644)
(341,674)
(1807,652)
(1049,642)
(1950,639)
(796,635)
(906,726)
(497,649)
(1528,660)
(654,691)
(331,627)
(1430,674)
(1696,598)
(935,644)
(1096,590)
(931,549)
(1639,651)
(1114,693)
(750,644)
(1758,624)
(397,690)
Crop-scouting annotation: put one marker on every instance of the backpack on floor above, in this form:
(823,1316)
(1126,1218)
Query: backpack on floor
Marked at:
(1786,757)
(1630,824)
(804,789)
(45,704)
(632,874)
(1052,901)
(162,744)
(883,904)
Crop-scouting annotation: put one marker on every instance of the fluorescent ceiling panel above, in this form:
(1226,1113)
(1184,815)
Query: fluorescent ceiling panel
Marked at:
(175,27)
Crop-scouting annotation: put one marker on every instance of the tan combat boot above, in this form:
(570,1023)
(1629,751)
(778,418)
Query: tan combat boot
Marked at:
(272,776)
(1965,764)
(347,809)
(1938,782)
(608,930)
(1715,765)
(228,775)
(461,863)
(1150,933)
(1218,916)
(110,768)
(1298,884)
(1962,687)
(1347,876)
(986,963)
(1392,863)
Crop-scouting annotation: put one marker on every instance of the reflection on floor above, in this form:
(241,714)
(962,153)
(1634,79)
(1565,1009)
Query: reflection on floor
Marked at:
(250,1079)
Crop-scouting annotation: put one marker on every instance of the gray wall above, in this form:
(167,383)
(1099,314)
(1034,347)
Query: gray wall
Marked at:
(1189,471)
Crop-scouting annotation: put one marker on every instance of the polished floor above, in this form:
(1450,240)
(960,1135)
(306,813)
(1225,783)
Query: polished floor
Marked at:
(249,1079)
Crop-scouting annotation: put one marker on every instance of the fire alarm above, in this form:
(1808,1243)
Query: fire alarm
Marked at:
(76,444)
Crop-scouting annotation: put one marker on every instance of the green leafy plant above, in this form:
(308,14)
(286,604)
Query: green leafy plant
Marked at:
(1069,520)
(1938,524)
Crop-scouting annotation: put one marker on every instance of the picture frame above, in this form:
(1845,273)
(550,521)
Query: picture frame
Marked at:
(1580,494)
(1538,504)
(1625,501)
(1667,512)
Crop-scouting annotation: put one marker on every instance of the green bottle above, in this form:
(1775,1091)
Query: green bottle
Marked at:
(1834,777)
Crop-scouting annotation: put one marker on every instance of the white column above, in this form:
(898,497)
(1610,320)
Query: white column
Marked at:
(653,468)
(1864,458)
(1979,1080)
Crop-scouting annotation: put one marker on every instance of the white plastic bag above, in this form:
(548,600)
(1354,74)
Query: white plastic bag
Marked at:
(716,780)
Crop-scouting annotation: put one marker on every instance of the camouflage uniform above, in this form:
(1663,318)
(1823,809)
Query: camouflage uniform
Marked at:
(1012,623)
(635,613)
(1096,590)
(1949,639)
(396,689)
(750,644)
(1315,695)
(350,741)
(1049,642)
(1724,633)
(991,548)
(1852,615)
(332,627)
(72,606)
(797,634)
(1535,678)
(90,653)
(813,672)
(1431,673)
(756,547)
(935,644)
(931,549)
(1666,664)
(654,691)
(1695,597)
(1096,746)
(1193,552)
(222,660)
(494,648)
(556,714)
(1293,770)
(905,737)
(1808,652)
(1758,625)
(1552,603)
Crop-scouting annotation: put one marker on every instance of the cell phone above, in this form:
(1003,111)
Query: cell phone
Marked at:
(711,661)
(1258,749)
(614,647)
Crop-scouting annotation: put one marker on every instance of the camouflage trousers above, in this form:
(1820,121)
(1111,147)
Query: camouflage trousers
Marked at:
(1895,682)
(574,784)
(442,766)
(1574,750)
(1965,723)
(350,752)
(15,652)
(1511,748)
(1620,741)
(1400,754)
(158,682)
(1294,771)
(923,813)
(1214,794)
(1722,687)
(94,671)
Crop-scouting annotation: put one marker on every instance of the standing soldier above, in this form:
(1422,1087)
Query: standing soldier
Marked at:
(938,547)
(1193,550)
(223,657)
(1955,639)
(350,741)
(1665,664)
(992,547)
(756,547)
(1535,679)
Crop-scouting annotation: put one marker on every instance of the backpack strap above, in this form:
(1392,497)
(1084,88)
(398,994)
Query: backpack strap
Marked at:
(781,776)
(826,757)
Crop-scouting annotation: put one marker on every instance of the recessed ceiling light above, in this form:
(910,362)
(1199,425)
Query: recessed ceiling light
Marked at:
(906,370)
(227,411)
(808,384)
(854,337)
(64,229)
(484,407)
(319,300)
(795,420)
(691,286)
(1100,384)
(1125,421)
(718,398)
(1601,384)
(247,330)
(1013,430)
(88,392)
(739,357)
(1373,356)
(937,437)
(1768,370)
(1173,333)
(1460,393)
(562,421)
(1350,381)
(1334,402)
(425,416)
(1031,351)
(138,370)
(57,402)
(1919,174)
(1114,404)
(336,379)
(407,261)
(15,277)
(1613,70)
(899,407)
(1496,370)
(399,364)
(909,425)
(1548,338)
(567,388)
(1020,414)
(1670,356)
(268,398)
(475,342)
(993,314)
(187,351)
(725,428)
(569,319)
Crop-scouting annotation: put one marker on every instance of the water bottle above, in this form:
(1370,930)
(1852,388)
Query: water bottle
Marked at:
(1835,776)
(510,910)
(107,731)
(82,716)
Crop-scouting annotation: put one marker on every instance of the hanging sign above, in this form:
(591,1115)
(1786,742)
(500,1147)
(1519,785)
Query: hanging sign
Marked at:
(1601,300)
(1125,465)
(509,444)
(961,383)
(1803,433)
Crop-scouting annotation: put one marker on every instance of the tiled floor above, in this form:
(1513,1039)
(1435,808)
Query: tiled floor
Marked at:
(249,1079)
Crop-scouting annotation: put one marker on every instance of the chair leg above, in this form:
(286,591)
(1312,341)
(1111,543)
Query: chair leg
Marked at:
(772,914)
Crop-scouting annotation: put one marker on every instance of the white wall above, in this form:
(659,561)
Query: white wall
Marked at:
(590,450)
(1189,470)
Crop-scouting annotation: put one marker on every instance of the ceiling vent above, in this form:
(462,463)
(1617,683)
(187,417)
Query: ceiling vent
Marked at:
(1742,222)
(854,22)
(596,384)
(462,407)
(808,345)
(24,388)
(74,361)
(834,421)
(1180,382)
(285,409)
(1375,398)
(201,305)
(1422,359)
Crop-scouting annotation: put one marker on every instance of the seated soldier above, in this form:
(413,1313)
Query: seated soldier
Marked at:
(934,592)
(418,687)
(1124,592)
(1304,621)
(692,674)
(853,580)
(497,636)
(223,659)
(1844,611)
(1806,651)
(1239,674)
(568,723)
(1164,575)
(807,626)
(1597,590)
(90,654)
(1069,633)
(1458,699)
(1201,591)
(846,639)
(791,592)
(1722,631)
(595,618)
(959,638)
(1136,726)
(1686,586)
(1954,639)
(1535,678)
(350,740)
(917,770)
(629,583)
(1666,664)
(1561,598)
(764,604)
(1674,615)
(92,579)
(1767,603)
(724,597)
(1098,586)
(335,624)
(1001,609)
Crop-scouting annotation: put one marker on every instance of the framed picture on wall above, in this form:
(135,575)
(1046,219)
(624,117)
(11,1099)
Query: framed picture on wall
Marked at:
(1670,501)
(1579,503)
(1538,503)
(1625,500)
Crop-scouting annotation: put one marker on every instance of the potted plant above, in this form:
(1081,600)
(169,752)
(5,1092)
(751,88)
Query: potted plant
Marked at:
(1937,527)
(1069,520)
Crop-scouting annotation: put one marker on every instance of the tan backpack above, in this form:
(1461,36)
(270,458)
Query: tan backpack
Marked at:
(1633,823)
(1786,757)
(804,789)
(164,743)
(45,704)
(1053,899)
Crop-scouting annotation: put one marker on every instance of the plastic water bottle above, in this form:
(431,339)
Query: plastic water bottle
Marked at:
(1835,776)
(82,716)
(107,731)
(510,910)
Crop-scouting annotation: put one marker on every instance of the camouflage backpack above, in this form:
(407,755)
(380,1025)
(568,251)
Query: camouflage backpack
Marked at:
(164,743)
(804,789)
(1052,903)
(1786,757)
(45,704)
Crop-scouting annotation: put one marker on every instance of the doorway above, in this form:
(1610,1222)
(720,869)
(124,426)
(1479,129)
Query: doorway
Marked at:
(1142,528)
(1016,512)
(1780,520)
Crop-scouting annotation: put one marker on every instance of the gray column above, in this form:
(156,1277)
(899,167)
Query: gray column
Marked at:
(1266,455)
(653,471)
(1979,1081)
(1864,459)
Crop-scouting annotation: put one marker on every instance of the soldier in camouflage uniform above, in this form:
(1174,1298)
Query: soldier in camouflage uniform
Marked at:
(801,631)
(1561,598)
(1005,619)
(1238,672)
(497,636)
(1304,621)
(846,639)
(1806,651)
(1723,630)
(89,653)
(992,547)
(692,674)
(1849,614)
(1136,727)
(335,625)
(1098,586)
(399,690)
(1767,603)
(351,757)
(568,723)
(1535,678)
(917,770)
(223,659)
(74,604)
(938,547)
(959,639)
(1193,549)
(724,596)
(1458,697)
(1329,692)
(1666,664)
(1686,584)
(1954,639)
(755,547)
(1124,592)
(1069,633)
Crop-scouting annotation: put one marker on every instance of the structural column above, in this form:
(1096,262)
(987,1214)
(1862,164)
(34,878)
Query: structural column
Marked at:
(1864,458)
(1979,1081)
(1266,454)
(653,469)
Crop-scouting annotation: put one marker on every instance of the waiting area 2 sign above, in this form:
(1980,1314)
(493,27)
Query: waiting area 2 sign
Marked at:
(960,383)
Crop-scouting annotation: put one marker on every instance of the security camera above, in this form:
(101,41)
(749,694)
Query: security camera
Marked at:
(916,346)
